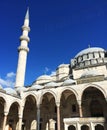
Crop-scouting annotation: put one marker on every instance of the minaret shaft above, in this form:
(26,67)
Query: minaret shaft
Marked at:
(21,68)
(23,50)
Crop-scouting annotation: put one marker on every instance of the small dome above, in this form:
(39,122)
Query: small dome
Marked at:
(43,79)
(89,73)
(69,82)
(10,91)
(35,87)
(90,50)
(21,89)
(51,84)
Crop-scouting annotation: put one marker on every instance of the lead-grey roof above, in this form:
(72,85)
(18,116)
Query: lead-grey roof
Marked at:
(35,87)
(21,89)
(69,82)
(52,84)
(90,50)
(10,91)
(44,77)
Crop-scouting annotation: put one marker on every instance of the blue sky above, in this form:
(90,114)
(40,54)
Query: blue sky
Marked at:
(59,30)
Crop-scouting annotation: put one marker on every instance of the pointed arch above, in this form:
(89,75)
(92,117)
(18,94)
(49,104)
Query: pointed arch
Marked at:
(95,86)
(70,89)
(2,105)
(47,108)
(27,95)
(47,91)
(93,102)
(30,111)
(12,118)
(5,99)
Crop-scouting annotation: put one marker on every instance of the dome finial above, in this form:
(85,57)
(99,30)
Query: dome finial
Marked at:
(88,45)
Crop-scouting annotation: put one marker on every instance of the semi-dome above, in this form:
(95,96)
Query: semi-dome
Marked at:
(43,79)
(51,84)
(36,87)
(69,82)
(90,50)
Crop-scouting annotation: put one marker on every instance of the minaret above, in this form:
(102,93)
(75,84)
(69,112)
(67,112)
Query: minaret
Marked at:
(23,50)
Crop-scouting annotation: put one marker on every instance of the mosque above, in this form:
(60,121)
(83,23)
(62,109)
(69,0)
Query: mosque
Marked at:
(74,98)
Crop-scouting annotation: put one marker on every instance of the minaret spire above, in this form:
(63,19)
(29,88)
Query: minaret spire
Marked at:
(27,14)
(23,50)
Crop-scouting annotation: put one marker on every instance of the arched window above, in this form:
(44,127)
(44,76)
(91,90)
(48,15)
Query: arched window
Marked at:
(71,127)
(99,127)
(84,127)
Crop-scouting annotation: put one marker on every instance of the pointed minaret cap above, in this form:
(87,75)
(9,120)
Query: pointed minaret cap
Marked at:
(26,20)
(27,14)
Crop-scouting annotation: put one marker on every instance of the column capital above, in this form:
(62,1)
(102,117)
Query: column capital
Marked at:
(6,113)
(38,106)
(92,126)
(79,102)
(58,104)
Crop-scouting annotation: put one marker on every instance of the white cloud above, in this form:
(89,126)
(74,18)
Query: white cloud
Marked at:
(10,75)
(8,81)
(49,71)
(3,82)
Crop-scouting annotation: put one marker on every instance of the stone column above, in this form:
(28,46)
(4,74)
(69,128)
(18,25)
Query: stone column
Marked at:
(38,117)
(91,126)
(5,120)
(47,126)
(80,108)
(58,116)
(66,127)
(20,118)
(78,126)
(20,123)
(51,124)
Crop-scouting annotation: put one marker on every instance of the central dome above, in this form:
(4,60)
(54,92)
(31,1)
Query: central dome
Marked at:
(90,56)
(90,50)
